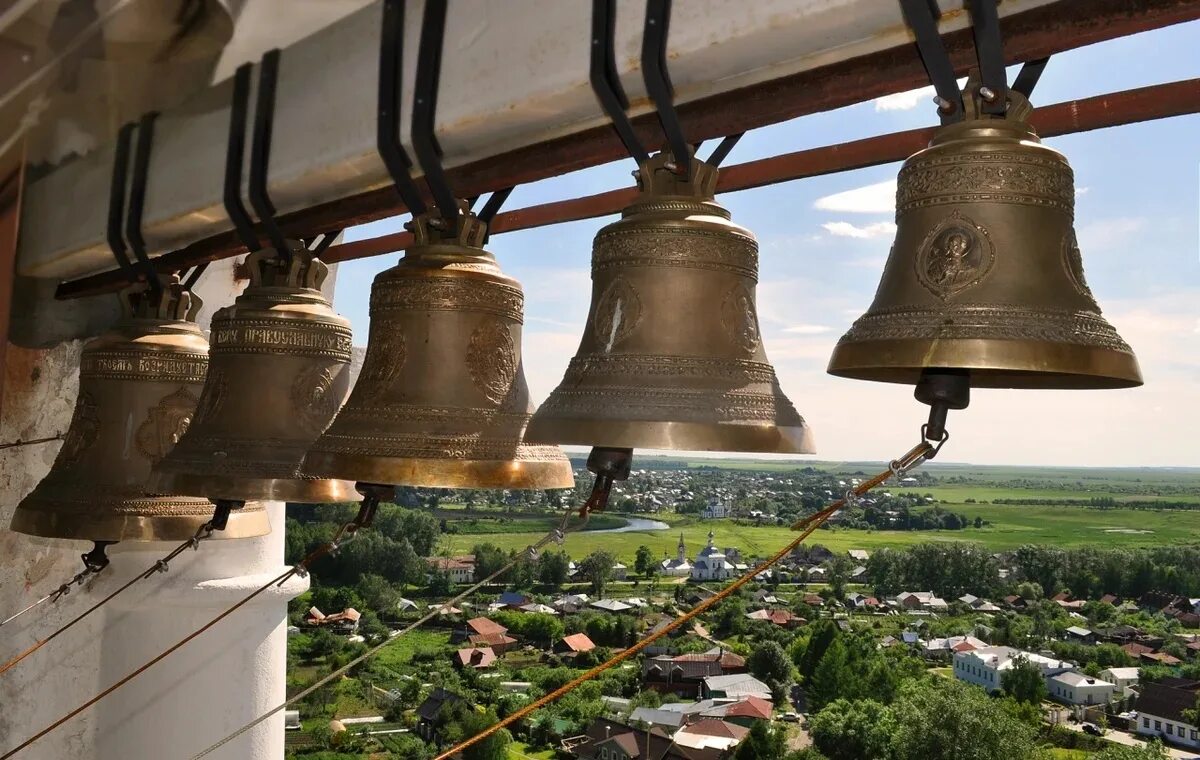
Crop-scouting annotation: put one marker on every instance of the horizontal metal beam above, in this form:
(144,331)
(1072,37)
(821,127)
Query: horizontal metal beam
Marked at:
(1112,110)
(1028,35)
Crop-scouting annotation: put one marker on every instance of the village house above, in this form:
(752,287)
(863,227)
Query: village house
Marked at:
(576,643)
(481,632)
(344,622)
(1079,635)
(986,667)
(461,569)
(684,674)
(735,686)
(1122,678)
(920,600)
(781,618)
(612,605)
(608,739)
(710,733)
(1161,707)
(1075,688)
(479,658)
(430,710)
(944,649)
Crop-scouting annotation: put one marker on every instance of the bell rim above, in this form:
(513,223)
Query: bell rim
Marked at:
(244,523)
(424,472)
(673,435)
(298,490)
(1018,364)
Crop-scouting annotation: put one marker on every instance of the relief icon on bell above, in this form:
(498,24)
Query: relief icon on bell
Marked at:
(672,357)
(280,371)
(442,400)
(138,387)
(985,276)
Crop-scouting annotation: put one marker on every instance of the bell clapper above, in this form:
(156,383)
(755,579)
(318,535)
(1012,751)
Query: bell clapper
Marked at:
(942,390)
(608,465)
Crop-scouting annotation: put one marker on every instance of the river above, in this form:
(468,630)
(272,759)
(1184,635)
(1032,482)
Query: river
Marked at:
(635,524)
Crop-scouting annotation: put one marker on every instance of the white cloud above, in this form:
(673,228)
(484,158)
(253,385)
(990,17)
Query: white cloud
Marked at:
(906,101)
(879,198)
(1081,190)
(1110,233)
(846,229)
(807,329)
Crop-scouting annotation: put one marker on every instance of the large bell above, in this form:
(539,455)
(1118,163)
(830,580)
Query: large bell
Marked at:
(441,400)
(672,356)
(280,371)
(138,388)
(985,275)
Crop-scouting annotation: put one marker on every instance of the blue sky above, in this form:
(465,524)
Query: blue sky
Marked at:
(824,241)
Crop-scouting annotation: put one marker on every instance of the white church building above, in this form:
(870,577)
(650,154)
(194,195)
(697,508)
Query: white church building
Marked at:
(679,567)
(712,564)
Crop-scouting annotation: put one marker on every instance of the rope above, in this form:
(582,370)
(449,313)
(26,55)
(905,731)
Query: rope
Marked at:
(31,441)
(56,594)
(555,535)
(299,568)
(807,525)
(205,531)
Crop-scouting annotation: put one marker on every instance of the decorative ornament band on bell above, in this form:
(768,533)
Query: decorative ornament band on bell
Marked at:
(138,388)
(985,275)
(441,400)
(672,355)
(280,369)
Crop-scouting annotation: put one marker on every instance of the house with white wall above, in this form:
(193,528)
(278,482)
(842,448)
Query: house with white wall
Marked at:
(986,667)
(1074,688)
(1123,678)
(1160,709)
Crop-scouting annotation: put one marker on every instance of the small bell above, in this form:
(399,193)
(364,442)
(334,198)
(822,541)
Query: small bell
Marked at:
(441,400)
(985,279)
(138,388)
(672,356)
(279,373)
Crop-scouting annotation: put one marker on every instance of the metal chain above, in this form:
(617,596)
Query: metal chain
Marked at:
(90,568)
(557,535)
(914,457)
(202,533)
(344,534)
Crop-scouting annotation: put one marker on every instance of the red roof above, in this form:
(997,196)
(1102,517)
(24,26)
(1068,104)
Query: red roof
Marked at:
(476,658)
(485,627)
(751,707)
(964,646)
(1135,649)
(578,642)
(491,640)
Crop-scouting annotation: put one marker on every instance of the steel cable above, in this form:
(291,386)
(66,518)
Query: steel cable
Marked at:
(913,458)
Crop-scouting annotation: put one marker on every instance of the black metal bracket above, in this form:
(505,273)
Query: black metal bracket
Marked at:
(989,51)
(425,143)
(137,202)
(921,16)
(235,155)
(1028,76)
(260,153)
(608,465)
(721,152)
(387,132)
(490,208)
(942,389)
(658,82)
(116,201)
(606,84)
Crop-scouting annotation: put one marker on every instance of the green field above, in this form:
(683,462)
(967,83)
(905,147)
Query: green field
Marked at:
(1010,526)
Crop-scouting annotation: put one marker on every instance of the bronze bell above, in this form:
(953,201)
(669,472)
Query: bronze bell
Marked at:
(985,276)
(138,388)
(672,356)
(441,400)
(280,371)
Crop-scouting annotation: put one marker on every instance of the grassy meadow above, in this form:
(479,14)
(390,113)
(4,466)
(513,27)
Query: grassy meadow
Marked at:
(1008,526)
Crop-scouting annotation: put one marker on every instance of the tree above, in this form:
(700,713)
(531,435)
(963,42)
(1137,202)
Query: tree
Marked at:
(370,627)
(596,568)
(1024,682)
(762,743)
(807,657)
(552,568)
(322,643)
(378,594)
(832,674)
(770,664)
(941,719)
(643,562)
(858,730)
(488,559)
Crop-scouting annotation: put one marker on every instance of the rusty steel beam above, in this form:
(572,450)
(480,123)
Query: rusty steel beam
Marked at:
(1034,34)
(1128,107)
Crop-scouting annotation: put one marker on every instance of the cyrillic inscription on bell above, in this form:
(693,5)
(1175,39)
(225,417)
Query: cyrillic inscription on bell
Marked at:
(280,371)
(672,355)
(441,400)
(985,274)
(138,388)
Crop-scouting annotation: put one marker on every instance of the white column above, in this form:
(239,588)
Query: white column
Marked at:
(216,683)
